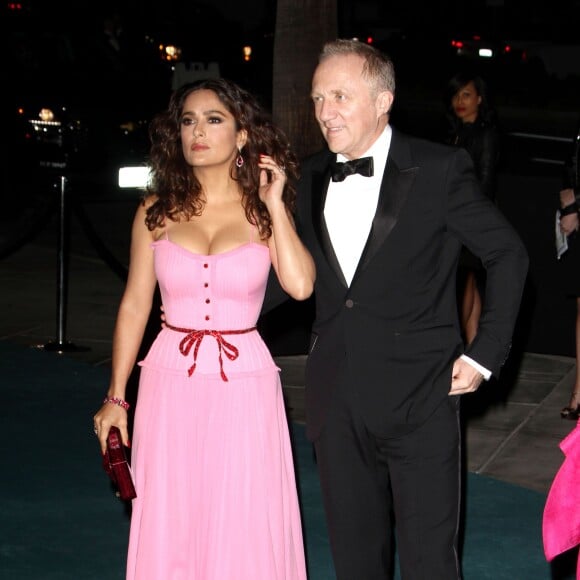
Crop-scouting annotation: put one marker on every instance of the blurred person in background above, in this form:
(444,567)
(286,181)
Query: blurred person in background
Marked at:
(561,518)
(569,201)
(473,126)
(211,456)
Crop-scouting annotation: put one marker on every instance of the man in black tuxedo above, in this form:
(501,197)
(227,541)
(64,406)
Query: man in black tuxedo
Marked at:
(387,364)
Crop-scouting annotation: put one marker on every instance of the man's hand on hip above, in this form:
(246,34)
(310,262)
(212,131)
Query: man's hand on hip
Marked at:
(465,378)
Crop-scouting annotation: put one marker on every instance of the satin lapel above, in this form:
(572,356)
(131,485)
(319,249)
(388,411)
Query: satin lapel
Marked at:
(319,189)
(395,188)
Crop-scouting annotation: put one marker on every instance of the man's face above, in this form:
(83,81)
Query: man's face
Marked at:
(351,118)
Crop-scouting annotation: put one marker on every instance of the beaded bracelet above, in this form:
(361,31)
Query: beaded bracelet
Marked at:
(569,209)
(116,401)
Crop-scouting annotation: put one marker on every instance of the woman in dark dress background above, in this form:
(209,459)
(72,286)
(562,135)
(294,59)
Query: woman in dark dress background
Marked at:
(570,261)
(473,126)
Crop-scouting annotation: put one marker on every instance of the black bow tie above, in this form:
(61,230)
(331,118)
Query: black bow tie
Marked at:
(364,166)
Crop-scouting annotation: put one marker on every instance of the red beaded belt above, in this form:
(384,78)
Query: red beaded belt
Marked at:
(194,337)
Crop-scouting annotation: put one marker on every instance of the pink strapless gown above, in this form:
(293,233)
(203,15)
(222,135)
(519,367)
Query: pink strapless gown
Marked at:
(216,489)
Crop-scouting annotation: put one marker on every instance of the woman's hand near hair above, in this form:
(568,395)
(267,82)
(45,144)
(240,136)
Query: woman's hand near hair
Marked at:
(292,262)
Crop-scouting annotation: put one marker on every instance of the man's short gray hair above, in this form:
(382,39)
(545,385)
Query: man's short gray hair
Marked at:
(378,68)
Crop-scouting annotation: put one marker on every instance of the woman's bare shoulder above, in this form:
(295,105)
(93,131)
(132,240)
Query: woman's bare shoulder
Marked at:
(148,200)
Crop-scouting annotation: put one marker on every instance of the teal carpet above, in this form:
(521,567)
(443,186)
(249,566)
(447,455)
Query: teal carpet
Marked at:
(60,519)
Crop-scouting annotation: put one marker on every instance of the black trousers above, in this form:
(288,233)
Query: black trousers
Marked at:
(382,493)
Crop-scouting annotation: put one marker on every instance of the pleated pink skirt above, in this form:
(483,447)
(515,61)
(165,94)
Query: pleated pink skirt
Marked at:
(216,488)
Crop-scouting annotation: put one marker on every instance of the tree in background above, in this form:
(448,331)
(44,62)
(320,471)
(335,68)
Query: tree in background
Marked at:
(302,27)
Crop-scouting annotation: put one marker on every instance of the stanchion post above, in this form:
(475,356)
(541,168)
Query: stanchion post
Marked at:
(61,345)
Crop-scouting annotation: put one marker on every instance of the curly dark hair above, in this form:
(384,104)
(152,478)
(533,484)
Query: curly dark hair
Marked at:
(174,183)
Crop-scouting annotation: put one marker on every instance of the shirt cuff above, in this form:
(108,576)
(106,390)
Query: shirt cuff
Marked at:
(485,372)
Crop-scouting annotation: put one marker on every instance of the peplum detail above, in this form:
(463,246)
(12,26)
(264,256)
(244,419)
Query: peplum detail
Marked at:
(227,294)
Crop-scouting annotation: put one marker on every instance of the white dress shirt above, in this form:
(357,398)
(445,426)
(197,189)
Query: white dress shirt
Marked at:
(351,205)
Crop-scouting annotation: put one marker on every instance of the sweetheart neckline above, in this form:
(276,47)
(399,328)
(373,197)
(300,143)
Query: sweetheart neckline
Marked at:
(198,255)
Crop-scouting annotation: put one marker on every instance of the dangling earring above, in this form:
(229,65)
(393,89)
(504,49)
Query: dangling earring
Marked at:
(239,159)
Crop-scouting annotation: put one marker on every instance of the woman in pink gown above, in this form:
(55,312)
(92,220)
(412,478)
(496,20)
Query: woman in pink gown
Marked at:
(211,456)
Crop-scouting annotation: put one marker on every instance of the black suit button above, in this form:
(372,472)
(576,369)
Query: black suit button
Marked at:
(349,303)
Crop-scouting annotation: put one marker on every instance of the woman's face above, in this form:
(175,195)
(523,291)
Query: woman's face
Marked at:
(465,103)
(209,137)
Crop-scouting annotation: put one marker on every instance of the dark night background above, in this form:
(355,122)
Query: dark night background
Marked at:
(416,33)
(53,54)
(512,19)
(66,35)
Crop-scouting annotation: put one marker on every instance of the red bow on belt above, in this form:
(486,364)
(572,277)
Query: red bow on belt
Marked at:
(194,338)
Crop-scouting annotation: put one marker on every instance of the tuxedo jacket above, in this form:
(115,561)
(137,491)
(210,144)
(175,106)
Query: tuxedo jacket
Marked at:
(393,334)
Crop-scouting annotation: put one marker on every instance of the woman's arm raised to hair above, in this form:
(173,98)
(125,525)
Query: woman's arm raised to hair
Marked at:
(292,262)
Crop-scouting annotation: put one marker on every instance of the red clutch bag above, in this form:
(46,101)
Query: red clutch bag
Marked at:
(117,467)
